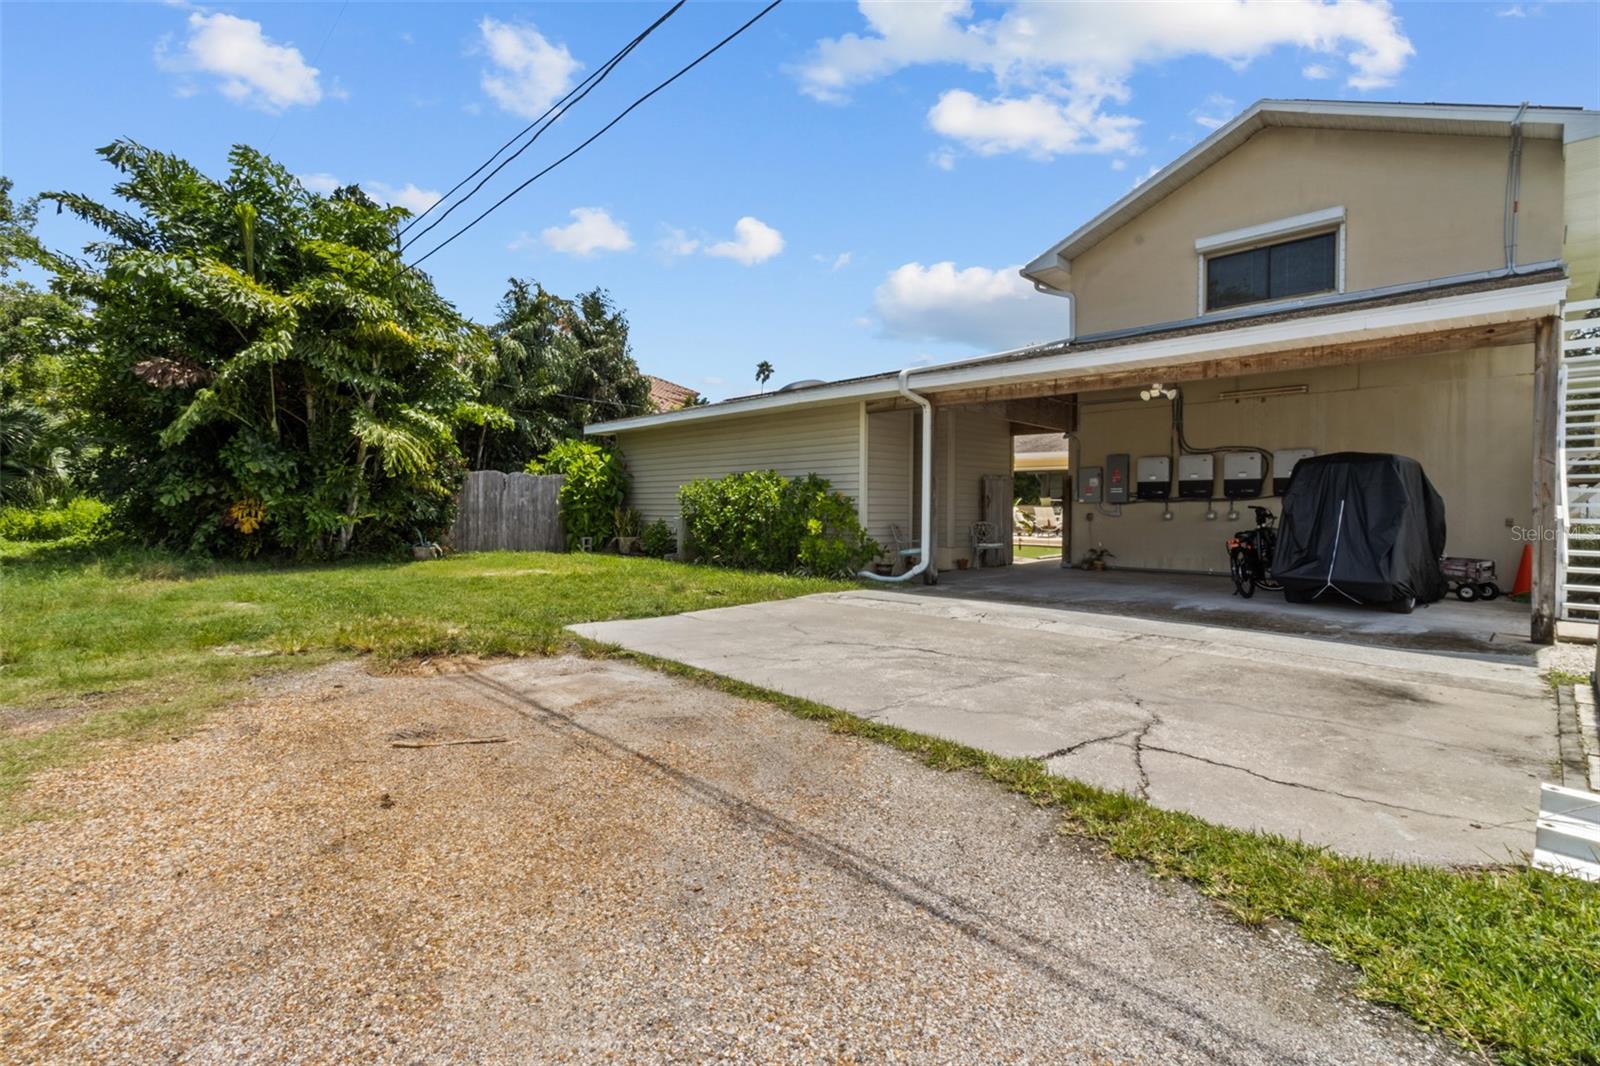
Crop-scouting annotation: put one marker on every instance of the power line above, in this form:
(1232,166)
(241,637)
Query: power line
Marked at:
(580,91)
(707,54)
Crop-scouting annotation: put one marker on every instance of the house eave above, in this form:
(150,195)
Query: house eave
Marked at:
(1337,324)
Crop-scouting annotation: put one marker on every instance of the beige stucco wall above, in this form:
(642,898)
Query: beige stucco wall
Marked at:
(1582,248)
(1417,207)
(818,440)
(1465,416)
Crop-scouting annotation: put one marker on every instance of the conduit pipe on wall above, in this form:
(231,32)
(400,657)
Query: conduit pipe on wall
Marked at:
(1514,188)
(925,540)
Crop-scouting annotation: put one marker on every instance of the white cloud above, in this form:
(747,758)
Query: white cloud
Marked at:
(944,159)
(753,242)
(1060,70)
(1155,169)
(530,73)
(1119,164)
(1515,11)
(251,68)
(677,243)
(1215,111)
(837,262)
(592,230)
(320,183)
(989,309)
(1317,71)
(1037,125)
(408,196)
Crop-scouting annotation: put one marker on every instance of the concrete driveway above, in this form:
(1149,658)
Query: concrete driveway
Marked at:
(1397,753)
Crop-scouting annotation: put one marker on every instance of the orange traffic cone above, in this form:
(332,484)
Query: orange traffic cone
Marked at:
(1524,582)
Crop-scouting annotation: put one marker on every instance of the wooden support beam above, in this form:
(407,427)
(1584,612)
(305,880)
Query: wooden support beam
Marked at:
(1547,522)
(1043,412)
(1245,365)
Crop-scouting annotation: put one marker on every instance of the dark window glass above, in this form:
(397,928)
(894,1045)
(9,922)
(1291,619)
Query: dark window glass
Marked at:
(1276,272)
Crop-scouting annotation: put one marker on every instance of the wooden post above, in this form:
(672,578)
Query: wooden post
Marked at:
(1547,523)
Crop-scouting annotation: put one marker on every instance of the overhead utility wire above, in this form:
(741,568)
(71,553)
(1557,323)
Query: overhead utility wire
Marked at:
(557,109)
(623,114)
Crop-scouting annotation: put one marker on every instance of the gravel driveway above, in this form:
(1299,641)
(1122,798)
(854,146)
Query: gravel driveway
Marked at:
(647,870)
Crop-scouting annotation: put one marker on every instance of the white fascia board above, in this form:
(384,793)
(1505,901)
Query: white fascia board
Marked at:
(1051,257)
(1282,227)
(1367,323)
(1477,308)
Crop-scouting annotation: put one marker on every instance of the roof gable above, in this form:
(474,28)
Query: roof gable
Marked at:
(1052,269)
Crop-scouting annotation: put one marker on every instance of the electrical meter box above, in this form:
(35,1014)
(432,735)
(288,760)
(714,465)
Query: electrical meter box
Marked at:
(1088,484)
(1283,461)
(1242,474)
(1155,477)
(1117,478)
(1196,475)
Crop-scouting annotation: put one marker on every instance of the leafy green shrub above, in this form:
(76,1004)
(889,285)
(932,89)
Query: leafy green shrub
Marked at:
(1026,488)
(761,520)
(596,483)
(58,521)
(657,540)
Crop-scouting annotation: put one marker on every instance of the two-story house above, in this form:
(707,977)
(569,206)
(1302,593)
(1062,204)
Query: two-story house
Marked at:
(1315,276)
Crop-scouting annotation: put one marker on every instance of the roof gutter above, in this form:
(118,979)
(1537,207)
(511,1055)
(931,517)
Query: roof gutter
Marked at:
(925,540)
(1072,308)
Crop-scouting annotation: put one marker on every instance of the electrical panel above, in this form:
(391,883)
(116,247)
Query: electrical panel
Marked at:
(1196,476)
(1155,477)
(1242,474)
(1117,478)
(1283,463)
(1088,484)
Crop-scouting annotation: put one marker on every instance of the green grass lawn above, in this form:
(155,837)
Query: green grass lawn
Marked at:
(1037,551)
(117,645)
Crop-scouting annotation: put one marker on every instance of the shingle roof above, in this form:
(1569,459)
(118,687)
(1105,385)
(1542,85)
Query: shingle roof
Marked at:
(669,396)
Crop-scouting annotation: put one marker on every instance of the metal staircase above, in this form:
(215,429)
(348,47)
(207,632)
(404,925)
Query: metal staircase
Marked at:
(1578,541)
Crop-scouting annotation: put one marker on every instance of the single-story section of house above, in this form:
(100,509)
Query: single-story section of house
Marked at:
(1315,276)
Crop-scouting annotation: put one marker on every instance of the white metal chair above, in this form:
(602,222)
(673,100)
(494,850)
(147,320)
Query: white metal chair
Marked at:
(985,538)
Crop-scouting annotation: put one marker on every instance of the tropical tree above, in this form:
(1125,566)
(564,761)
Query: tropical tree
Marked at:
(558,364)
(763,374)
(38,332)
(264,369)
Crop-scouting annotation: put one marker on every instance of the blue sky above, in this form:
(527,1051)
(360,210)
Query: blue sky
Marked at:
(841,190)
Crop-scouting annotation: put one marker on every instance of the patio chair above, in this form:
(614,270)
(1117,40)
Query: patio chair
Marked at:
(985,538)
(1045,522)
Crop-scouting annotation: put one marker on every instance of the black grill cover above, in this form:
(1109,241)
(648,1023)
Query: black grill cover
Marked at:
(1386,546)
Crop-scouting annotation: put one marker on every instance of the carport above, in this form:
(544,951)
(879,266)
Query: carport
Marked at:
(1461,376)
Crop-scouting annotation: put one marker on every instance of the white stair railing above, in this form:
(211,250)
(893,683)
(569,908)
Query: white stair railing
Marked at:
(1578,452)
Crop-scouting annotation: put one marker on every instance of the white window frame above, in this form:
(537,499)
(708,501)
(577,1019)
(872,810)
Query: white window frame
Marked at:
(1327,220)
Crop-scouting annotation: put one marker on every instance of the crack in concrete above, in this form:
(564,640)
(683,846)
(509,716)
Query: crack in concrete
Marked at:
(1080,745)
(1302,785)
(1139,747)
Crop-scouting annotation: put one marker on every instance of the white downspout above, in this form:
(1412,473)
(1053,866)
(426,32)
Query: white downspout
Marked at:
(925,552)
(1072,308)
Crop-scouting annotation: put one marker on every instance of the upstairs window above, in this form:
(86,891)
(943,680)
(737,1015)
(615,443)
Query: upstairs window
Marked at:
(1272,272)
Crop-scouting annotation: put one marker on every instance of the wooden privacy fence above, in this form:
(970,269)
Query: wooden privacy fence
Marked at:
(509,512)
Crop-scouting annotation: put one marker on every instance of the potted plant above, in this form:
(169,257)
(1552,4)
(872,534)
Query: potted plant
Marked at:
(628,524)
(422,548)
(1095,559)
(961,564)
